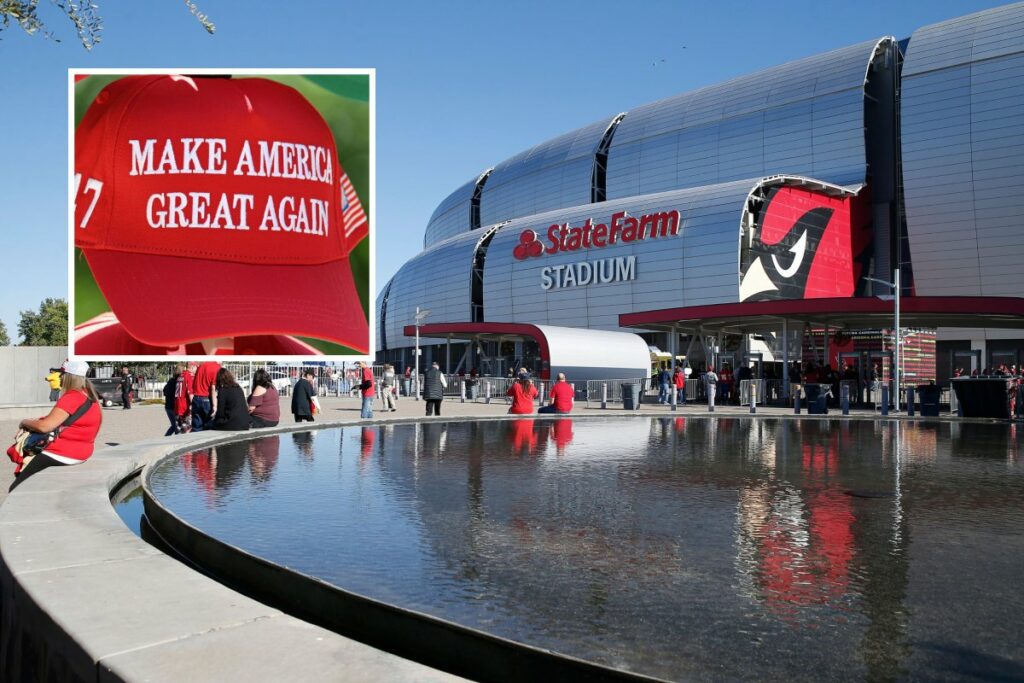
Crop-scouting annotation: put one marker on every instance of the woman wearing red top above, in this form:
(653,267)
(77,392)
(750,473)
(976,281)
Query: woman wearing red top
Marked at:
(679,379)
(74,444)
(522,392)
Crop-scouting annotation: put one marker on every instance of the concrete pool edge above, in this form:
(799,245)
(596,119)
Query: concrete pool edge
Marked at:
(84,598)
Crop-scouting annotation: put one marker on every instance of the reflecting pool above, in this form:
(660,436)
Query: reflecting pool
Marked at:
(719,548)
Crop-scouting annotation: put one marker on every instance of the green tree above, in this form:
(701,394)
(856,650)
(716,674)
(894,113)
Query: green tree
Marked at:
(5,340)
(47,327)
(84,14)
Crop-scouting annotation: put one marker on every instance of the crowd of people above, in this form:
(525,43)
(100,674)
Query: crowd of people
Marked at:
(201,396)
(206,396)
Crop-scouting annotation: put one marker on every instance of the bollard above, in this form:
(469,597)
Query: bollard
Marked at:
(604,395)
(540,393)
(674,397)
(910,401)
(711,397)
(796,403)
(488,397)
(753,398)
(462,392)
(844,392)
(885,400)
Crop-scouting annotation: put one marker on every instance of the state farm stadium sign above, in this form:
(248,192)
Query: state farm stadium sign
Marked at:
(621,228)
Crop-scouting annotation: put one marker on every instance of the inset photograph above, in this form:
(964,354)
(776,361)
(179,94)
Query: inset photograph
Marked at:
(222,213)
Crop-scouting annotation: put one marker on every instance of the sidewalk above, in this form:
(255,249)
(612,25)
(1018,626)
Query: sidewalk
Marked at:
(150,421)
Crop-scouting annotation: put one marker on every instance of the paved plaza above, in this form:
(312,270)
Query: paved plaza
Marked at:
(144,421)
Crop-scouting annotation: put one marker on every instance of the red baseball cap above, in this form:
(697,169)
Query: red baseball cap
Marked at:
(213,207)
(104,335)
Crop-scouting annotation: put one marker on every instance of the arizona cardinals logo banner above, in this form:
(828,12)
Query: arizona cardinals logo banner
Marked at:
(804,245)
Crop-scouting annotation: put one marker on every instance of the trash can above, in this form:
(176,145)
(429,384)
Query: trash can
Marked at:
(817,400)
(630,396)
(929,394)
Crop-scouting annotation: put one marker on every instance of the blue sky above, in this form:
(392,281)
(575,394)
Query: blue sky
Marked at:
(460,86)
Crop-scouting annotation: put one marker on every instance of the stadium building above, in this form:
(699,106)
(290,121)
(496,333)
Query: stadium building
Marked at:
(754,221)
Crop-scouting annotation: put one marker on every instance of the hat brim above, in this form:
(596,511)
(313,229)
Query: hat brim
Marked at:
(173,300)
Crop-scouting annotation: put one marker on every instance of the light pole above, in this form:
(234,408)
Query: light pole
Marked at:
(420,316)
(897,332)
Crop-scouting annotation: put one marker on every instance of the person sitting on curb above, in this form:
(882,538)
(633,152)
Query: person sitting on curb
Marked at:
(264,401)
(67,435)
(522,392)
(232,410)
(561,397)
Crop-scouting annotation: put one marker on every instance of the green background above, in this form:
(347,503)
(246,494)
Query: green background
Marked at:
(344,102)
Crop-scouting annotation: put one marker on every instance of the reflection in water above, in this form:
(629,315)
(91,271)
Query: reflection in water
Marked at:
(677,547)
(304,442)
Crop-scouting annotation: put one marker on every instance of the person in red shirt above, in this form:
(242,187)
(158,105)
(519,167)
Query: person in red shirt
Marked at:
(203,395)
(522,392)
(561,397)
(679,379)
(74,443)
(369,389)
(183,398)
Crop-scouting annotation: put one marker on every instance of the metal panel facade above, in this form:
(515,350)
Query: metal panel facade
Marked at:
(963,143)
(801,118)
(438,279)
(554,174)
(697,266)
(451,216)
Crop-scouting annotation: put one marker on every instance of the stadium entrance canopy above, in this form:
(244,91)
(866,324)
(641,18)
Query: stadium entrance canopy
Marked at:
(851,313)
(581,354)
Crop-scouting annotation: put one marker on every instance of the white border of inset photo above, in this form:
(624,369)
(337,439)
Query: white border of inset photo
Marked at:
(371,214)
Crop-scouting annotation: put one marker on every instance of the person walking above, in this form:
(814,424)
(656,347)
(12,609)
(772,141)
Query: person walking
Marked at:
(54,380)
(664,382)
(368,388)
(711,384)
(126,389)
(679,380)
(183,399)
(232,410)
(75,419)
(264,401)
(561,396)
(302,397)
(204,394)
(387,388)
(434,384)
(170,400)
(522,392)
(725,382)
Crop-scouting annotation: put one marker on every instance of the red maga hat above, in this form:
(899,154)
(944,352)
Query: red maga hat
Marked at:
(226,193)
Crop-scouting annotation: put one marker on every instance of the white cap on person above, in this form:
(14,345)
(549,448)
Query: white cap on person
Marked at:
(75,367)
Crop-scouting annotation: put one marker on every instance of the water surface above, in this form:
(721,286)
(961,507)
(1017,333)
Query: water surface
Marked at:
(680,548)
